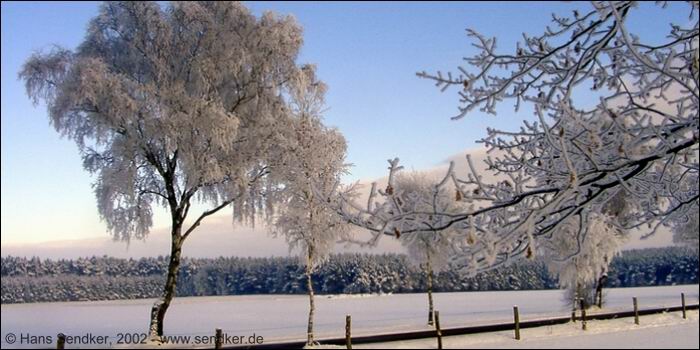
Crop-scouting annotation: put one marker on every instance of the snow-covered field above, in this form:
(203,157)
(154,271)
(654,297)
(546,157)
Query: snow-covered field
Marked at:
(283,317)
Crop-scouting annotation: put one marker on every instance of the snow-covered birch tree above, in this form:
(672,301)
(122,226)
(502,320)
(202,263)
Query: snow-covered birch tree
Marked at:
(641,138)
(171,105)
(580,261)
(314,163)
(429,249)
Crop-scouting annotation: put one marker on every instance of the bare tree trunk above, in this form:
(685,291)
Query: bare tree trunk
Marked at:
(178,213)
(430,289)
(160,307)
(310,288)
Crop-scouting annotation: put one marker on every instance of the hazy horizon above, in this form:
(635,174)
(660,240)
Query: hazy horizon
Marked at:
(219,236)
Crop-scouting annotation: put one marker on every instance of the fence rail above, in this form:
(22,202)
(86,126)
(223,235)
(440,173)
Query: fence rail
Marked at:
(423,334)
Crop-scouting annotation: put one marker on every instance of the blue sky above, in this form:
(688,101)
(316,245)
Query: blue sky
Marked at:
(368,54)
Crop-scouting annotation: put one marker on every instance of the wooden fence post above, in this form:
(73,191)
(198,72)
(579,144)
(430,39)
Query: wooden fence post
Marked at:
(348,328)
(636,310)
(438,332)
(583,315)
(61,341)
(516,316)
(218,339)
(683,305)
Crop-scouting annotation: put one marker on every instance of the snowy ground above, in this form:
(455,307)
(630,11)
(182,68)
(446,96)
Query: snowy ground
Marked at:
(665,331)
(283,317)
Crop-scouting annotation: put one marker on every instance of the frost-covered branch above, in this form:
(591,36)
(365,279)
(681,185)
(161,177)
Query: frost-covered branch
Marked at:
(575,159)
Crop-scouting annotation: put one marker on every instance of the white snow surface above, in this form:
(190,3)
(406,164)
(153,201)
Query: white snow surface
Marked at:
(665,331)
(283,317)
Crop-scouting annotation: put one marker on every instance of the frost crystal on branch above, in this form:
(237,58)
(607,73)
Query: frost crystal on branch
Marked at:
(312,165)
(574,161)
(419,194)
(311,169)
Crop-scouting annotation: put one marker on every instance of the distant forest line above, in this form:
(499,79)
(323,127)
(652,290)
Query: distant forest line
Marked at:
(26,280)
